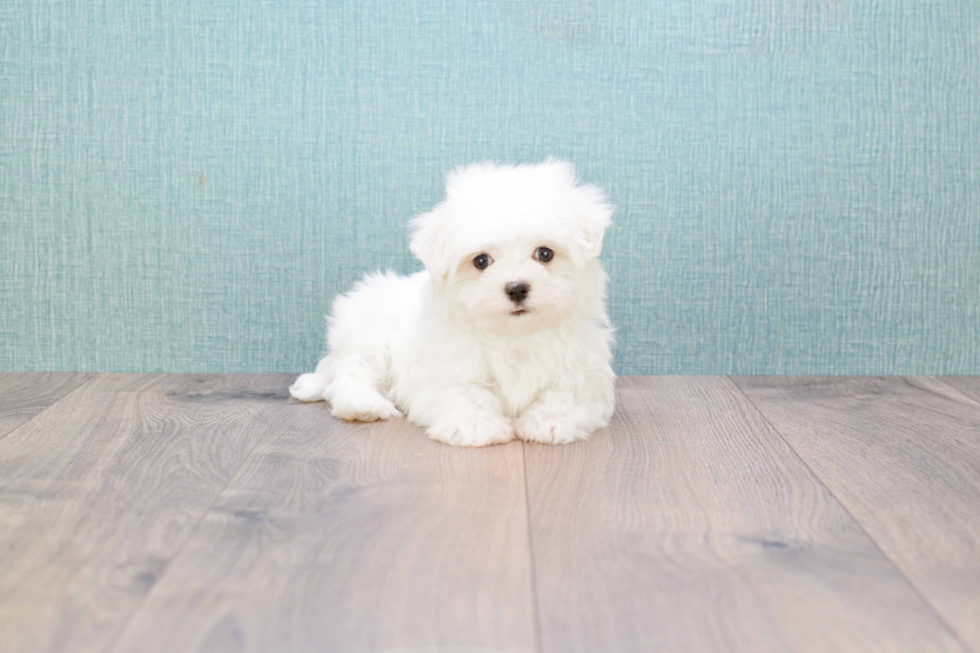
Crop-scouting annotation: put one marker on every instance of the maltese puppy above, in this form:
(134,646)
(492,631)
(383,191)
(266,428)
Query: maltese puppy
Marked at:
(505,332)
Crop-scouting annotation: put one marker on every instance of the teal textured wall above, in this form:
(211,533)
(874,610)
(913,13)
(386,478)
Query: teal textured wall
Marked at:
(185,185)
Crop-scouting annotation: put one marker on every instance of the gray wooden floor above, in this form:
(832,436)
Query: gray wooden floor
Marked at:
(181,513)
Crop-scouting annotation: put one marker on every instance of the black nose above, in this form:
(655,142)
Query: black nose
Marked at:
(517,291)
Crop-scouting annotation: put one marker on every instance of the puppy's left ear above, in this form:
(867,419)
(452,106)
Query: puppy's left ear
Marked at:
(430,241)
(595,215)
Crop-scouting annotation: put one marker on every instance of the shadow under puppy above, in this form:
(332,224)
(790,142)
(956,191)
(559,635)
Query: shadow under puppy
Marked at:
(503,335)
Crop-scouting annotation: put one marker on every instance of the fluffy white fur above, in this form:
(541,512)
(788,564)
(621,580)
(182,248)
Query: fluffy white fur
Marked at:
(449,348)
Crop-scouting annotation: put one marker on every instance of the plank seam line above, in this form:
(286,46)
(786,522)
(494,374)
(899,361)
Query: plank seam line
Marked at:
(535,609)
(47,408)
(908,581)
(114,641)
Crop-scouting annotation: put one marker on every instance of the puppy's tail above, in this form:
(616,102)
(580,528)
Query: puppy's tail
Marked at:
(310,387)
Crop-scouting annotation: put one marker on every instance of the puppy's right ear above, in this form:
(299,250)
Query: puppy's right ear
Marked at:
(430,242)
(595,215)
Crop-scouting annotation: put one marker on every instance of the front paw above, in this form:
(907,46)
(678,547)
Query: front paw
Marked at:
(476,429)
(551,427)
(362,406)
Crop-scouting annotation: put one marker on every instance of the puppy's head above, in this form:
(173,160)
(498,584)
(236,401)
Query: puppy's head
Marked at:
(514,249)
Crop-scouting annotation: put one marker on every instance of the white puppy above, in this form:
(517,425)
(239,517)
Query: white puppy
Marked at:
(504,334)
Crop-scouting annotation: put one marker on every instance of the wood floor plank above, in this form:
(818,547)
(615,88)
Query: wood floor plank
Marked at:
(352,538)
(98,492)
(25,394)
(968,385)
(903,456)
(689,525)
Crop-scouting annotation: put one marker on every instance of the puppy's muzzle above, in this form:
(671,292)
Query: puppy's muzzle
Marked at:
(517,291)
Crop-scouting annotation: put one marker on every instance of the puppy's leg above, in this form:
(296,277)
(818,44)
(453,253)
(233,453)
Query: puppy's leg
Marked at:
(469,417)
(353,393)
(567,414)
(310,387)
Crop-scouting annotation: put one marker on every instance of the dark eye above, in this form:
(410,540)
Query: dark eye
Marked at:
(481,262)
(543,254)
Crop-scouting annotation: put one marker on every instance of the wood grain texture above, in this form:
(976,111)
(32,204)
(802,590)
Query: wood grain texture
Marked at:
(968,385)
(903,456)
(352,538)
(25,394)
(98,492)
(689,525)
